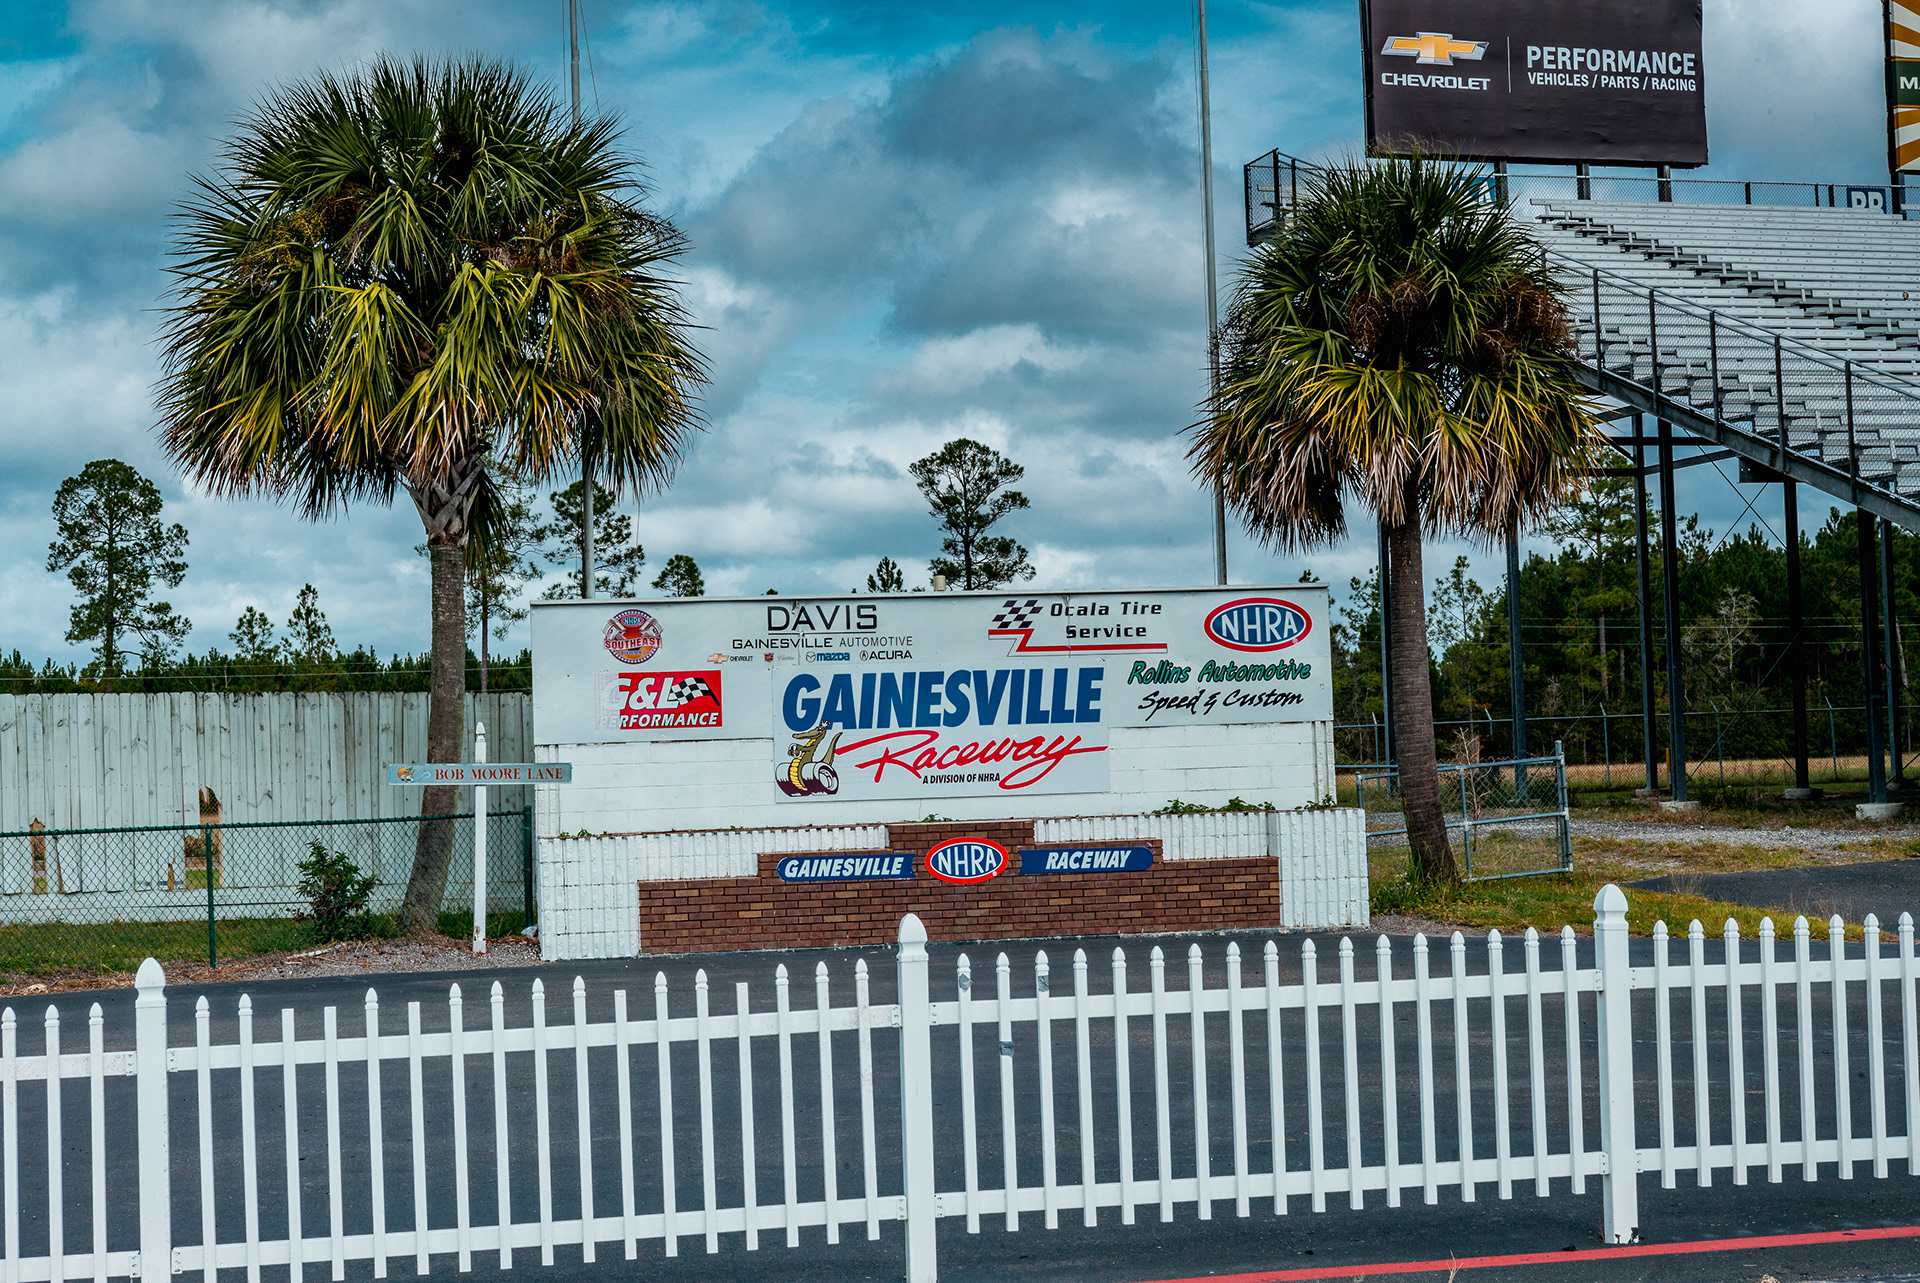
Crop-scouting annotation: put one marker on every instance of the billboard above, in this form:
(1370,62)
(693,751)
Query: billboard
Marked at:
(1903,85)
(928,695)
(1615,82)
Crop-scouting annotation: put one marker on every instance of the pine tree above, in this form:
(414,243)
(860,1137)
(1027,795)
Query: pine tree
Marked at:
(309,638)
(681,577)
(252,635)
(114,547)
(616,560)
(964,483)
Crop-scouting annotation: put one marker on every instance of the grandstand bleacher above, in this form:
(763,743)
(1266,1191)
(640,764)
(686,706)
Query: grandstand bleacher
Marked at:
(1845,280)
(1798,328)
(1787,334)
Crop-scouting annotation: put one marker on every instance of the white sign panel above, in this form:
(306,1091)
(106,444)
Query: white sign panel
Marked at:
(480,772)
(925,694)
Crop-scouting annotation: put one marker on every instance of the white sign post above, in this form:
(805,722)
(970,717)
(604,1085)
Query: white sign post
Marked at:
(479,774)
(480,843)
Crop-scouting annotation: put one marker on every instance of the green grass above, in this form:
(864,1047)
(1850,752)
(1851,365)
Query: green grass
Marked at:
(39,949)
(116,948)
(1548,902)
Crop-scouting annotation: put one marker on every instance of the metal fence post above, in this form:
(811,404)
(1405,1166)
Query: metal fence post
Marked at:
(1606,745)
(526,858)
(150,1064)
(916,1103)
(1619,1189)
(1560,771)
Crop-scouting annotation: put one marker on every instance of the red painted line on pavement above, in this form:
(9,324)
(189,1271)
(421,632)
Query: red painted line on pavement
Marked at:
(1559,1258)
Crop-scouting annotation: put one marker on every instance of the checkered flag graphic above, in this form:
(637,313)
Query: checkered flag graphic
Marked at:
(1016,613)
(685,691)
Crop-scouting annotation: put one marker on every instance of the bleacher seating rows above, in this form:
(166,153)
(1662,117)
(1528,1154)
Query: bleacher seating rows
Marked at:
(1840,287)
(1843,280)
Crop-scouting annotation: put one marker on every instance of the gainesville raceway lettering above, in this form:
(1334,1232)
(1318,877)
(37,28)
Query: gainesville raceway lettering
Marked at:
(943,732)
(922,755)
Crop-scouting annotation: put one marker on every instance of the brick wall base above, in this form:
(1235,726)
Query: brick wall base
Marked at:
(715,914)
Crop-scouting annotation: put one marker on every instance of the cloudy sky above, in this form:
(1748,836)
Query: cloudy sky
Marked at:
(908,223)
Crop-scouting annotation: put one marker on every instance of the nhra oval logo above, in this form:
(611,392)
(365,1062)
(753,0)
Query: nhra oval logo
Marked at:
(966,860)
(1258,623)
(632,636)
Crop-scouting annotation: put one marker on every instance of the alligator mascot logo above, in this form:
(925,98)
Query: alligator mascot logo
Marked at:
(809,771)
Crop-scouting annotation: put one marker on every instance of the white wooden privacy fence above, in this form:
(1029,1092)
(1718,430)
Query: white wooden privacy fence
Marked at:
(482,1142)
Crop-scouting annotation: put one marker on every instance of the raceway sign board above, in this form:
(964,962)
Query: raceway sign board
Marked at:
(929,694)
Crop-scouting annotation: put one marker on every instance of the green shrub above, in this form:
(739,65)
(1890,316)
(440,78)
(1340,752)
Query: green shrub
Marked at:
(1177,807)
(338,892)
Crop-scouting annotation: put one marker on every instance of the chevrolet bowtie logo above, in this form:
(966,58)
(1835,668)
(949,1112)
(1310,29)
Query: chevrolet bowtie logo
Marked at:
(1435,48)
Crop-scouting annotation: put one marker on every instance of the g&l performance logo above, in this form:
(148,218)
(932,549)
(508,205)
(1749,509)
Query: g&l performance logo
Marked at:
(1435,48)
(658,701)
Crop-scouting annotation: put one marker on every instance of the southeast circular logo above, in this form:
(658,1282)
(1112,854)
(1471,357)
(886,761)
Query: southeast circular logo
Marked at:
(632,636)
(967,860)
(1258,624)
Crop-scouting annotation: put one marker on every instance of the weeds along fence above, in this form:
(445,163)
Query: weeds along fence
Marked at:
(1512,1068)
(103,899)
(1511,817)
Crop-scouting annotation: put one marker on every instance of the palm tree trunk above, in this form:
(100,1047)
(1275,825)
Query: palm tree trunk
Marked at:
(1430,857)
(444,510)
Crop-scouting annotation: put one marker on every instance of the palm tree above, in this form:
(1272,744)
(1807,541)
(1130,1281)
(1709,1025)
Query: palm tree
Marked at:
(398,274)
(1399,343)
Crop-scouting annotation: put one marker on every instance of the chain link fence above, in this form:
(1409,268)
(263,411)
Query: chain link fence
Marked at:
(1509,817)
(101,900)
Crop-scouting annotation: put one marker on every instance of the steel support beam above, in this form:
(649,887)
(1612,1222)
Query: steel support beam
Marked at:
(1516,660)
(1795,466)
(1670,596)
(1386,654)
(1870,657)
(1796,624)
(1646,620)
(1890,652)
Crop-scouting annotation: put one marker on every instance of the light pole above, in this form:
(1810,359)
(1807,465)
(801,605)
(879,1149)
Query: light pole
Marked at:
(586,452)
(1213,288)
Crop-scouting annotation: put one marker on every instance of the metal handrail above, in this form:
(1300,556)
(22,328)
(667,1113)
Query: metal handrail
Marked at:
(1664,188)
(1720,320)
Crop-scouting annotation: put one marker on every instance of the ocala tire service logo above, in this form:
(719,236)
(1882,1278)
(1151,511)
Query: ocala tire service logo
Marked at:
(967,860)
(1258,624)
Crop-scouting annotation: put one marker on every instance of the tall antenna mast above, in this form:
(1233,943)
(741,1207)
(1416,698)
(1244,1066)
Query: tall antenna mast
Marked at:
(1213,288)
(586,452)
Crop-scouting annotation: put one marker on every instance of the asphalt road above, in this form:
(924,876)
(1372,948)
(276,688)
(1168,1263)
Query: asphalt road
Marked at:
(1109,1253)
(1885,888)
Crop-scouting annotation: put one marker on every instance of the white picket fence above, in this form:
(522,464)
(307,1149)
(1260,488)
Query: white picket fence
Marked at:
(1297,1114)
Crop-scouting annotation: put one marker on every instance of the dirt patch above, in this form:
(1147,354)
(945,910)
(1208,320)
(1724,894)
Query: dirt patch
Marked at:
(1396,924)
(360,957)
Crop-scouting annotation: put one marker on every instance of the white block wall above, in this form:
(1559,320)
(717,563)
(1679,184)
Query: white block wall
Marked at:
(1228,835)
(1323,867)
(590,886)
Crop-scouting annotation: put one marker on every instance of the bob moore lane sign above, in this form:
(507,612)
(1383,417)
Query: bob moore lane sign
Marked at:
(925,695)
